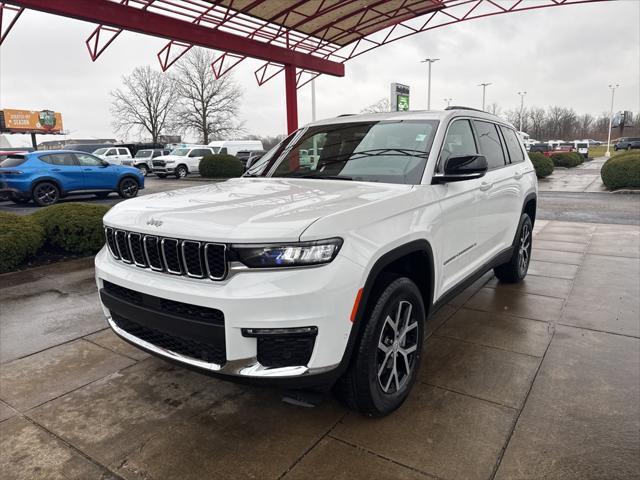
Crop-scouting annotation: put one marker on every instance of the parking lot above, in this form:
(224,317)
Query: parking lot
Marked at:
(533,380)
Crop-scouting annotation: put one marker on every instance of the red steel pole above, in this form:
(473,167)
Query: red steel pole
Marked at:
(292,97)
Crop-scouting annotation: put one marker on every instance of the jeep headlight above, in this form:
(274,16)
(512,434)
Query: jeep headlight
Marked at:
(296,254)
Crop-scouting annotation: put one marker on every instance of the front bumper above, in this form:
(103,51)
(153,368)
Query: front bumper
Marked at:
(319,297)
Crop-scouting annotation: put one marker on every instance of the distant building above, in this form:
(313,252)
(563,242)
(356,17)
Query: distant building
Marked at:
(57,144)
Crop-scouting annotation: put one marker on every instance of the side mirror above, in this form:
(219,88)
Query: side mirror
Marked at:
(462,167)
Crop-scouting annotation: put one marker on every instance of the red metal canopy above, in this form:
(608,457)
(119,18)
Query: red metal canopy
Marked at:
(303,37)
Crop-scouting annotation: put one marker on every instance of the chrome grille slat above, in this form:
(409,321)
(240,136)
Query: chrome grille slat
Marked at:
(191,258)
(216,269)
(170,248)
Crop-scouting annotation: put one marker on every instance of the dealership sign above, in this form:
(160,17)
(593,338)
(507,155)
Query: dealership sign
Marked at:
(30,121)
(399,97)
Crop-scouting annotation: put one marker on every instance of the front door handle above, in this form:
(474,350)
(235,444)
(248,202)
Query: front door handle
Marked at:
(517,175)
(484,186)
(56,170)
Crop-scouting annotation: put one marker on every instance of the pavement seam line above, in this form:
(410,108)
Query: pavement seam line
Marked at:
(72,447)
(493,347)
(466,394)
(111,349)
(376,454)
(553,325)
(599,331)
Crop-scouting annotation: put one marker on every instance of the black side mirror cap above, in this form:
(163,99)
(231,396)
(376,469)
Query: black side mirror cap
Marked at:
(458,168)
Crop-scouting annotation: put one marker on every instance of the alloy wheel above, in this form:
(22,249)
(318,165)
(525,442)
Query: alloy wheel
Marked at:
(182,172)
(397,346)
(524,248)
(46,193)
(129,188)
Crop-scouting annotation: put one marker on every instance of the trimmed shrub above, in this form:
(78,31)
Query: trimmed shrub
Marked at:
(73,227)
(542,164)
(567,159)
(221,166)
(622,171)
(20,238)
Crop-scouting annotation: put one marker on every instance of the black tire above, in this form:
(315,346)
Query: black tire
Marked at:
(144,169)
(128,187)
(516,268)
(161,175)
(19,200)
(628,147)
(102,195)
(181,171)
(370,385)
(45,194)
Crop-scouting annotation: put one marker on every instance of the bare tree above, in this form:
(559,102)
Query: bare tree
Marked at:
(537,117)
(494,109)
(145,103)
(208,106)
(380,106)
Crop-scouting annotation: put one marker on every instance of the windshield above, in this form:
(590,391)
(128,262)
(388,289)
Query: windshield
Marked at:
(216,150)
(144,153)
(100,151)
(385,151)
(180,152)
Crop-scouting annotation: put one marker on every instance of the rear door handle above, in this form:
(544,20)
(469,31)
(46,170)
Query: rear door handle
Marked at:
(484,186)
(517,175)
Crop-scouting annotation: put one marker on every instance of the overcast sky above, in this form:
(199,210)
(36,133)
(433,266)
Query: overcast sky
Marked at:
(561,56)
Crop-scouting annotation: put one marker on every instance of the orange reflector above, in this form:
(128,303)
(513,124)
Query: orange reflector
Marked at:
(356,304)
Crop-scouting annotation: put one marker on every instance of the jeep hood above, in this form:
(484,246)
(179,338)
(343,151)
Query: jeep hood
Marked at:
(246,209)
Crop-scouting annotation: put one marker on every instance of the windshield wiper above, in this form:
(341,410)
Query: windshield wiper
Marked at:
(377,152)
(314,176)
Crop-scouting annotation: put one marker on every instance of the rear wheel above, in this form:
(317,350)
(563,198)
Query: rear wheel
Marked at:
(45,194)
(181,171)
(516,268)
(385,363)
(128,188)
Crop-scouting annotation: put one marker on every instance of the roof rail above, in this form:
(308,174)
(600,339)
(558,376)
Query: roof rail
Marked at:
(459,107)
(345,115)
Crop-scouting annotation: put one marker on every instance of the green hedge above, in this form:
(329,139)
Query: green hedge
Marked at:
(542,164)
(20,238)
(567,159)
(622,171)
(221,166)
(73,227)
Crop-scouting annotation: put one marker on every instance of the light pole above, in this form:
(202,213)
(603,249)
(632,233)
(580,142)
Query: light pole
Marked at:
(429,61)
(613,91)
(313,116)
(522,94)
(484,91)
(448,100)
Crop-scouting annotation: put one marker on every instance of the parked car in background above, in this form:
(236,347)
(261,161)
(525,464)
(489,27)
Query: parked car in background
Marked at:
(46,176)
(582,148)
(181,161)
(548,150)
(113,155)
(87,147)
(627,143)
(143,159)
(248,157)
(591,141)
(232,147)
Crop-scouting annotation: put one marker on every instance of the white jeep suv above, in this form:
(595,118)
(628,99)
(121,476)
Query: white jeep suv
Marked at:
(309,274)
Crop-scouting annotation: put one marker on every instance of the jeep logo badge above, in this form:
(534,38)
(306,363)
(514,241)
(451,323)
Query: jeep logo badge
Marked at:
(154,222)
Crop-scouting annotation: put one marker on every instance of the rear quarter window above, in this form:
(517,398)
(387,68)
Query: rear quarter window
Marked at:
(13,161)
(513,145)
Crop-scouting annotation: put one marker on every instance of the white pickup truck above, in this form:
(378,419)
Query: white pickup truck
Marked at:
(181,161)
(113,155)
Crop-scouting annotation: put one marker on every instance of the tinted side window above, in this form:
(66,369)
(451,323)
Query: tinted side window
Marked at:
(65,159)
(122,151)
(513,145)
(489,142)
(12,160)
(459,140)
(87,160)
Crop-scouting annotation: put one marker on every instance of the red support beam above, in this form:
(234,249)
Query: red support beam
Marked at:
(134,19)
(292,97)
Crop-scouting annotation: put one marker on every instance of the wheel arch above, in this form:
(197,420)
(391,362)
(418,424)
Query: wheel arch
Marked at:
(407,260)
(55,181)
(128,175)
(530,206)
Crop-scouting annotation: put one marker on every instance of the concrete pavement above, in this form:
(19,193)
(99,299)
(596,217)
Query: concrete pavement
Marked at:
(535,380)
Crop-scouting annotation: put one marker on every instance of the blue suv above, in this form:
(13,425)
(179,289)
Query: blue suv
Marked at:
(47,176)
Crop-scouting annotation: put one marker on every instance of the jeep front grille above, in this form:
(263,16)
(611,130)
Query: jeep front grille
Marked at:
(170,255)
(158,163)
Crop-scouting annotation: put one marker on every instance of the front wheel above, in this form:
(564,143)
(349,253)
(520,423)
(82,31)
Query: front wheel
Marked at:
(386,360)
(128,188)
(516,268)
(181,171)
(143,169)
(45,194)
